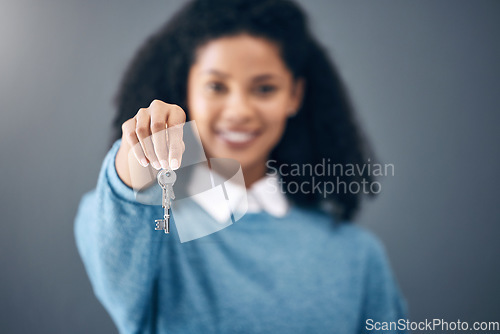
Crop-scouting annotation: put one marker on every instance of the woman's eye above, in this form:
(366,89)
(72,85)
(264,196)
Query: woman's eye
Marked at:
(265,89)
(216,87)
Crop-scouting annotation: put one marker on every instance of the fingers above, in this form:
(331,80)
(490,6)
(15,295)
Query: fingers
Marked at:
(176,120)
(149,138)
(175,145)
(143,131)
(158,128)
(130,136)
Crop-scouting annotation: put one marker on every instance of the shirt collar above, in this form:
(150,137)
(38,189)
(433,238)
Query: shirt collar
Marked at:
(265,195)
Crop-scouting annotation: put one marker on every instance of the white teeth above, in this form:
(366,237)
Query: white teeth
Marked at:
(236,136)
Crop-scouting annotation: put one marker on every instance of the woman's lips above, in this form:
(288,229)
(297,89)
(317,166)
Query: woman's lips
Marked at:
(237,139)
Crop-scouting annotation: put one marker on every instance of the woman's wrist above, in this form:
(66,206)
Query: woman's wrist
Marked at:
(121,163)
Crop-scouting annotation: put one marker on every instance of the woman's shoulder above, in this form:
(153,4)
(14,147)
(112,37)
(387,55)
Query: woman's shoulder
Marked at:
(349,235)
(363,239)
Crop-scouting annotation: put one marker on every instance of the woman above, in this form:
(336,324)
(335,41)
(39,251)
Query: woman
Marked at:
(260,89)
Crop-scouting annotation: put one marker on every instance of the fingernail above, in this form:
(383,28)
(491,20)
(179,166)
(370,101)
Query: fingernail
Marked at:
(174,164)
(156,165)
(144,162)
(164,164)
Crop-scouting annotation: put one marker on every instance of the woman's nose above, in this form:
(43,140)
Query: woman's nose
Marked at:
(238,108)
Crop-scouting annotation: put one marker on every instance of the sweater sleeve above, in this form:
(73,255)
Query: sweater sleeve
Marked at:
(384,304)
(119,249)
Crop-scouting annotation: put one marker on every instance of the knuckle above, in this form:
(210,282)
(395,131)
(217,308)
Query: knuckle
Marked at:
(179,112)
(130,135)
(142,111)
(156,103)
(182,116)
(126,125)
(157,126)
(142,131)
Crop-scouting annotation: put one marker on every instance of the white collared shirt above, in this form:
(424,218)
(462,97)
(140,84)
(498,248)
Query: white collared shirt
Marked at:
(263,195)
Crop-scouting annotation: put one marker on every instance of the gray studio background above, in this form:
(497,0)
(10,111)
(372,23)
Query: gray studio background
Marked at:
(424,76)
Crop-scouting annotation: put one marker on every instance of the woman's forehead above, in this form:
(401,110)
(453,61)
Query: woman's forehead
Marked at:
(240,54)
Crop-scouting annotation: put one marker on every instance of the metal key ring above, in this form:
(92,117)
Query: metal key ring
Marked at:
(165,172)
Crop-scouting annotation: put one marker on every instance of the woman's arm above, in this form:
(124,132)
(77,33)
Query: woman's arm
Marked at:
(384,302)
(120,249)
(114,233)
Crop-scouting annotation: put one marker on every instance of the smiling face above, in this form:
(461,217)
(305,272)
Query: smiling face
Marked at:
(240,94)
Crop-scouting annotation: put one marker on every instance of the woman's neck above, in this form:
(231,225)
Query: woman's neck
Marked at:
(253,173)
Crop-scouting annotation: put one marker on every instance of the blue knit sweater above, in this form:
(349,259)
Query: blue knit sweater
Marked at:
(297,274)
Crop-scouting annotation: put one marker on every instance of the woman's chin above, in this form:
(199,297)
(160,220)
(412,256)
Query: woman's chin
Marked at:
(246,156)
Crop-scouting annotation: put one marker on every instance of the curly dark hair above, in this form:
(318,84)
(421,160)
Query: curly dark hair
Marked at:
(323,129)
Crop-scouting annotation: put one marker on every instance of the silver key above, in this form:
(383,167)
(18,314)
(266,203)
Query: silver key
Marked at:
(166,179)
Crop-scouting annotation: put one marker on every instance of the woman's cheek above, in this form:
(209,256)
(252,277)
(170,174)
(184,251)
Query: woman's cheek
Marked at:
(276,116)
(275,128)
(203,112)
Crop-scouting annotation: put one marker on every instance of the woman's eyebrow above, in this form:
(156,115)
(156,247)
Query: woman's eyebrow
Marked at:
(217,73)
(258,78)
(264,77)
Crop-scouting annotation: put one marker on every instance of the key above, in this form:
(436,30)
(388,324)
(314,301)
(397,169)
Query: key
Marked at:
(166,179)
